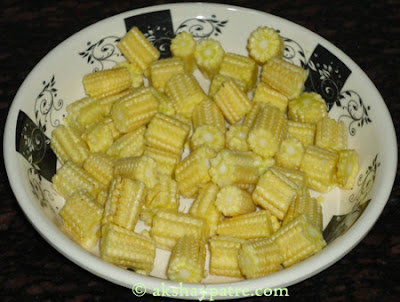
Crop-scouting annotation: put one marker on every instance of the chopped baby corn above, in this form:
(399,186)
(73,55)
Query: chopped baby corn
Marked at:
(187,260)
(330,134)
(183,46)
(165,105)
(236,138)
(74,110)
(264,43)
(166,161)
(81,216)
(290,153)
(208,135)
(304,132)
(266,94)
(208,113)
(135,72)
(162,70)
(130,144)
(164,194)
(309,107)
(232,201)
(88,115)
(217,81)
(347,168)
(275,223)
(209,55)
(297,176)
(99,137)
(100,166)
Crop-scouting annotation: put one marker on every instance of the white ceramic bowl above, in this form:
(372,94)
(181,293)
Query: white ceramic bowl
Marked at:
(55,82)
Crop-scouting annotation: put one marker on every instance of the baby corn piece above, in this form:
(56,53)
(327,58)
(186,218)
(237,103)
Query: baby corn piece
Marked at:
(169,225)
(107,102)
(209,55)
(298,177)
(134,110)
(241,68)
(166,161)
(304,132)
(137,49)
(232,201)
(130,144)
(99,137)
(71,178)
(208,113)
(100,167)
(166,133)
(107,82)
(83,113)
(127,248)
(165,105)
(259,258)
(320,167)
(203,206)
(135,72)
(234,168)
(162,70)
(81,216)
(124,202)
(192,173)
(68,146)
(268,131)
(290,153)
(185,93)
(268,95)
(264,43)
(275,223)
(247,226)
(236,138)
(164,194)
(187,260)
(298,240)
(217,81)
(309,107)
(141,168)
(347,169)
(251,116)
(208,135)
(330,134)
(233,102)
(275,192)
(283,76)
(224,251)
(183,46)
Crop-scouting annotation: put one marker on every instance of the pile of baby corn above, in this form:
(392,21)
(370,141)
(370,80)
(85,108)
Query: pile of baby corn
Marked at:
(251,164)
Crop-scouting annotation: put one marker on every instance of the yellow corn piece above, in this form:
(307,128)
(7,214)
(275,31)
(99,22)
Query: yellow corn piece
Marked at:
(298,240)
(102,197)
(68,146)
(275,223)
(71,178)
(208,113)
(270,96)
(330,134)
(107,82)
(141,168)
(283,76)
(162,70)
(107,102)
(304,132)
(185,93)
(166,133)
(183,46)
(137,49)
(290,153)
(165,105)
(275,192)
(130,144)
(309,107)
(209,55)
(187,260)
(233,102)
(192,173)
(82,113)
(259,258)
(224,251)
(170,225)
(251,116)
(127,248)
(268,131)
(298,177)
(134,110)
(235,168)
(236,138)
(320,167)
(241,68)
(81,216)
(203,206)
(217,81)
(164,194)
(247,226)
(264,43)
(124,202)
(232,201)
(99,137)
(166,161)
(100,167)
(347,169)
(208,135)
(135,72)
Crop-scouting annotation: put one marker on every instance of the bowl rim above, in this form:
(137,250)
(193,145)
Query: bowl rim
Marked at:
(299,272)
